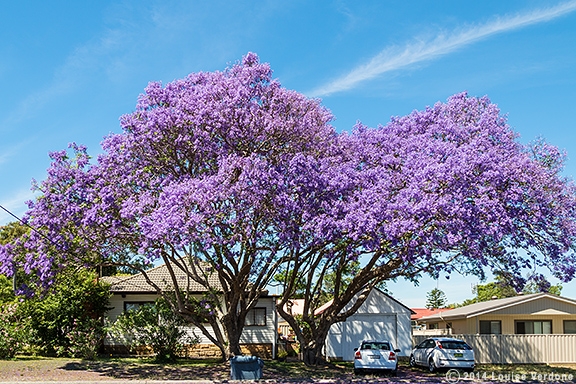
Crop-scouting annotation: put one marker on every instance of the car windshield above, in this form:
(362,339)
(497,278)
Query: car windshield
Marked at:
(454,345)
(376,345)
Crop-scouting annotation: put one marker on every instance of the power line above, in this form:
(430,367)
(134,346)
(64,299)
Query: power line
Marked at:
(11,214)
(28,225)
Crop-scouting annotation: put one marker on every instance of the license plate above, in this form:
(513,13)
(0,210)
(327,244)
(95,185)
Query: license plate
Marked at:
(458,355)
(374,357)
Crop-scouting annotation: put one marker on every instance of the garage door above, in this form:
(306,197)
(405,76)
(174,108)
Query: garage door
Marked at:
(345,337)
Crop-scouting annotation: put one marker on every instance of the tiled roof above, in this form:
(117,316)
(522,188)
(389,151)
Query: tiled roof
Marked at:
(161,277)
(421,312)
(484,307)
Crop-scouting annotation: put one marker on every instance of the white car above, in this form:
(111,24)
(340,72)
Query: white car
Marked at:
(442,353)
(375,355)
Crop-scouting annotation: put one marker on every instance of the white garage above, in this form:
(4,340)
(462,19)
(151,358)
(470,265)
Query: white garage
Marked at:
(381,317)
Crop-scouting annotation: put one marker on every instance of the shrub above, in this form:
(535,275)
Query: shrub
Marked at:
(68,320)
(157,326)
(85,338)
(13,331)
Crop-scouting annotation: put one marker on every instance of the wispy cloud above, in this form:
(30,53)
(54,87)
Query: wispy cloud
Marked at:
(15,205)
(394,58)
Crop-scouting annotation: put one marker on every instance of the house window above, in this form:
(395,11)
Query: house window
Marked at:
(256,316)
(570,326)
(490,327)
(135,305)
(432,326)
(536,327)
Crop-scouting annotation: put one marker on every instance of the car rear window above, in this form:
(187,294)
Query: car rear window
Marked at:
(384,346)
(454,345)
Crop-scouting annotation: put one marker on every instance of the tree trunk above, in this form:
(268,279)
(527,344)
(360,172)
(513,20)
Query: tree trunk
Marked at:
(312,349)
(233,332)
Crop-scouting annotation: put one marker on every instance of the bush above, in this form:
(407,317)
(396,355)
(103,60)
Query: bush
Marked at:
(154,325)
(13,332)
(85,338)
(68,320)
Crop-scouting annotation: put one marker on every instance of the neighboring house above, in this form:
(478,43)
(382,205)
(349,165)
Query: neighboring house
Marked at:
(419,327)
(538,313)
(380,317)
(260,331)
(525,329)
(294,307)
(420,313)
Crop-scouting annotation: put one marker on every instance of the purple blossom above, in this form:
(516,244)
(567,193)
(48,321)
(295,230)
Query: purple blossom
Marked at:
(233,169)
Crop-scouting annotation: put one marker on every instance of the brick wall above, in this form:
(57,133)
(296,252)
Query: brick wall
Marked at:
(199,351)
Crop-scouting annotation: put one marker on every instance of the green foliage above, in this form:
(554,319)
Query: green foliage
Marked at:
(13,331)
(490,291)
(154,325)
(435,299)
(500,289)
(6,290)
(11,232)
(68,321)
(85,338)
(533,287)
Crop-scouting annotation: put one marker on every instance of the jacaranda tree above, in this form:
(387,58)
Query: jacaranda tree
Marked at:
(205,177)
(446,189)
(233,179)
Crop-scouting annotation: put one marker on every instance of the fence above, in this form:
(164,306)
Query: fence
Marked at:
(518,349)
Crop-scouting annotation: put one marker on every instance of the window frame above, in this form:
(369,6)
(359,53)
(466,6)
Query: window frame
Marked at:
(252,318)
(564,326)
(135,302)
(490,327)
(516,322)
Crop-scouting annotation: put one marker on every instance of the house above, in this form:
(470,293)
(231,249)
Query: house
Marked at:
(294,307)
(417,325)
(380,317)
(538,313)
(259,336)
(537,328)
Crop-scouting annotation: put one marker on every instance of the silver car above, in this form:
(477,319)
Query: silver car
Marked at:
(442,353)
(375,355)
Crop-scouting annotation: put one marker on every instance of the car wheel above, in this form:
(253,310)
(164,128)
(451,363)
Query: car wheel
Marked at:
(394,372)
(412,361)
(431,366)
(357,371)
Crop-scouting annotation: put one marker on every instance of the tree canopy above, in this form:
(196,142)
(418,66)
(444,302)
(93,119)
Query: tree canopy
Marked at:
(436,298)
(232,171)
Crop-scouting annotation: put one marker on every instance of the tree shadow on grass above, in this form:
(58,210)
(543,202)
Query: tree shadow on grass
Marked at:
(148,371)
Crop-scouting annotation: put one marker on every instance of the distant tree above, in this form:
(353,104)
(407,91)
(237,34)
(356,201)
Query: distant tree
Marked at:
(537,283)
(501,288)
(490,291)
(436,298)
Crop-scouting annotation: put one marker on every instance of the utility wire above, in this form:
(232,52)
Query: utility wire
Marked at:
(28,225)
(11,214)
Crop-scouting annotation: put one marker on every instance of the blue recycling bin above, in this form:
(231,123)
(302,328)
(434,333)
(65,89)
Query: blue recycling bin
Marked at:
(246,368)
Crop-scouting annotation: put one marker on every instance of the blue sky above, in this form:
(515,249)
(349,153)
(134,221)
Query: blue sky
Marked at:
(70,69)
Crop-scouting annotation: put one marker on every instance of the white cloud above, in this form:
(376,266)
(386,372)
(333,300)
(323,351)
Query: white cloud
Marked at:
(14,205)
(394,58)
